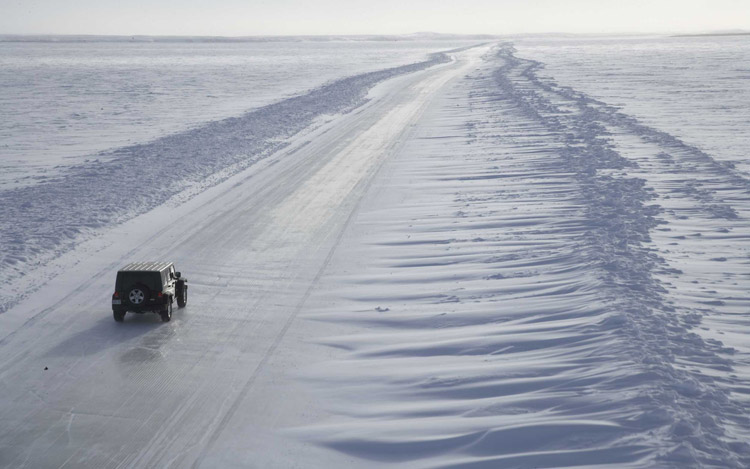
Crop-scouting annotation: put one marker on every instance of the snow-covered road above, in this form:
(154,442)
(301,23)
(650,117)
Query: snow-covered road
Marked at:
(477,268)
(211,387)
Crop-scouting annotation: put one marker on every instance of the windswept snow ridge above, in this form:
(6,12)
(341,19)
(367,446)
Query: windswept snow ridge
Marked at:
(531,283)
(42,221)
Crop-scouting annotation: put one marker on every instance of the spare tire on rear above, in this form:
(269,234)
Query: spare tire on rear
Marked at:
(137,294)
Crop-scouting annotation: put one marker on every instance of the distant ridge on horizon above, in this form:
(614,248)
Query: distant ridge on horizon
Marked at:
(421,35)
(731,32)
(229,39)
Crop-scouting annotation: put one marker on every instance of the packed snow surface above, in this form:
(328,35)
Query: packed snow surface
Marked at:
(473,264)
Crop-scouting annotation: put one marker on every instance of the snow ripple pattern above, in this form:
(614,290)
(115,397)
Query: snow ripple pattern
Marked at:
(513,310)
(42,221)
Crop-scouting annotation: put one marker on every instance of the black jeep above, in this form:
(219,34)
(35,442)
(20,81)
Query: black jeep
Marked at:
(148,286)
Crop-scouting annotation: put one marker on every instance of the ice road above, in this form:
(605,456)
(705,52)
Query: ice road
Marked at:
(477,267)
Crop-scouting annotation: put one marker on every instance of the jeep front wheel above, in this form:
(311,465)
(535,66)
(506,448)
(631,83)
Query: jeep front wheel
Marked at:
(182,296)
(181,291)
(166,314)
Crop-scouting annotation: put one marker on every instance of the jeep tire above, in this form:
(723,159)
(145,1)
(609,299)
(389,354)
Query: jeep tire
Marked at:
(119,315)
(138,294)
(181,290)
(166,313)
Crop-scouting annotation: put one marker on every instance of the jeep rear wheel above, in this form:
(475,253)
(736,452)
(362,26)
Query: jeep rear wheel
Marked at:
(166,314)
(119,315)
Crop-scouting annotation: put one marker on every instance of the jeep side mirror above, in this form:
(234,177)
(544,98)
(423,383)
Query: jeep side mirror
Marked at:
(177,274)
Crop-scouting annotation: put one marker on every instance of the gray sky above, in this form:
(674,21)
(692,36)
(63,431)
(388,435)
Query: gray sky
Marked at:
(264,17)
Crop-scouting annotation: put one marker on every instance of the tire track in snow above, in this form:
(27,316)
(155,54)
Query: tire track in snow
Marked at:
(707,202)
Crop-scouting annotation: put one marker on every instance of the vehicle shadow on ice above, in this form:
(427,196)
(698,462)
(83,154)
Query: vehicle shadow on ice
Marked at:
(105,334)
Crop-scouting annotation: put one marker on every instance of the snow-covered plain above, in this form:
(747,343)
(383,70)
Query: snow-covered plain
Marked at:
(542,281)
(63,101)
(694,88)
(476,266)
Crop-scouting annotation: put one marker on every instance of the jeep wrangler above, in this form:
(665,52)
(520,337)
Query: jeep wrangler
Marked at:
(148,287)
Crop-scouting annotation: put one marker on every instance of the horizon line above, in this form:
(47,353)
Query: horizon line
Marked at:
(398,35)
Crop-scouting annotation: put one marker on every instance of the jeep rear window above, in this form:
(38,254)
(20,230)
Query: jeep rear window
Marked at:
(127,279)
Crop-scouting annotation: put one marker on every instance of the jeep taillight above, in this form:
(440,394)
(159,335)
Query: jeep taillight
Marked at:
(116,295)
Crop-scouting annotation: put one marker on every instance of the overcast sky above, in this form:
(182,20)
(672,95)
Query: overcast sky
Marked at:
(279,17)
